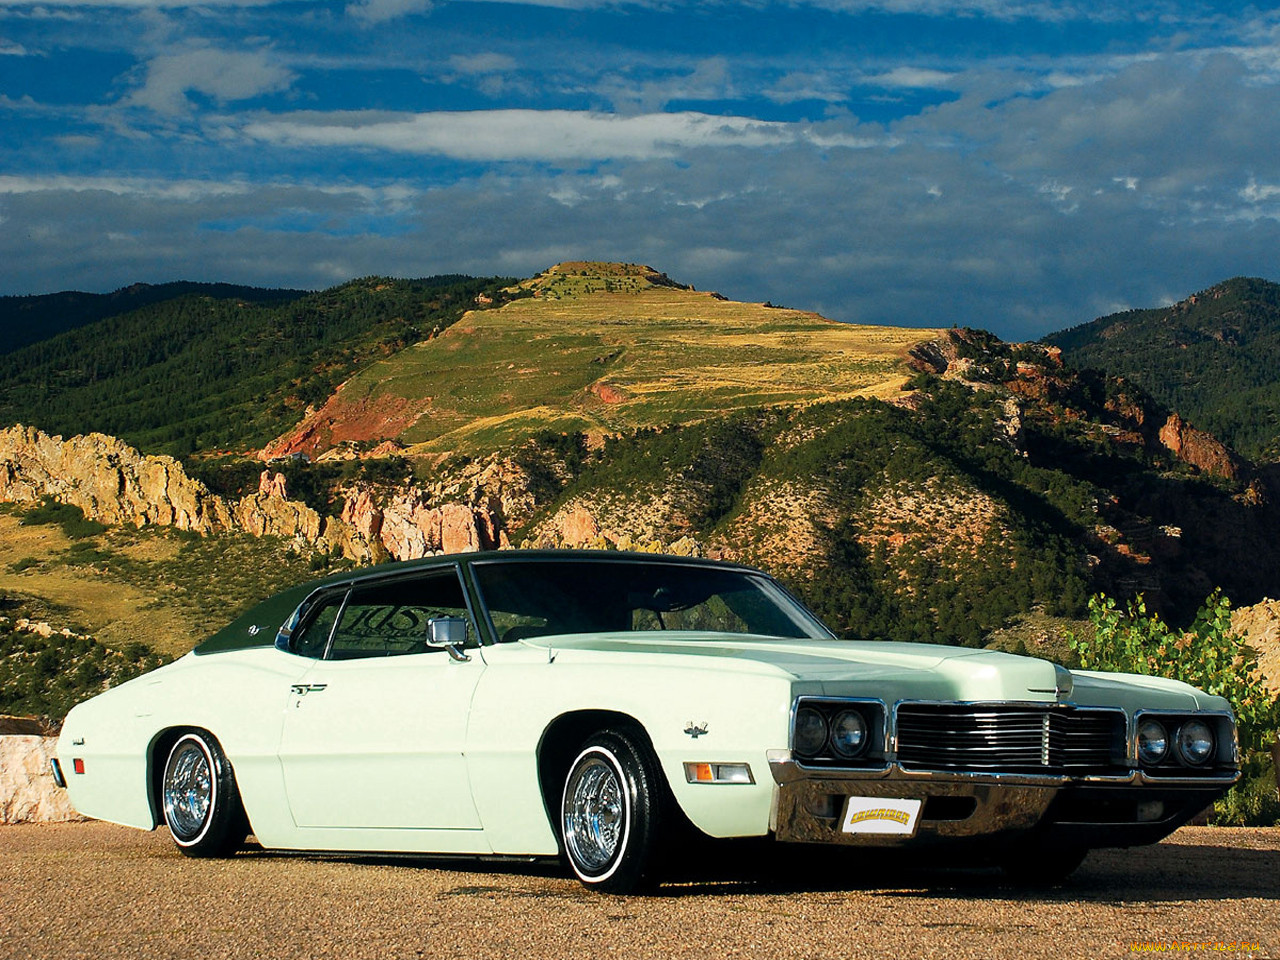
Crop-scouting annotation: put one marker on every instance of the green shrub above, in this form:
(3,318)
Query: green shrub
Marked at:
(69,517)
(1252,802)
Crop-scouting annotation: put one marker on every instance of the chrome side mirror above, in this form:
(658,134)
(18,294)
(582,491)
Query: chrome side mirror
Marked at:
(449,633)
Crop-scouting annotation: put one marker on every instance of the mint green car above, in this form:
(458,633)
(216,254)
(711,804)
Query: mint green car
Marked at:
(597,706)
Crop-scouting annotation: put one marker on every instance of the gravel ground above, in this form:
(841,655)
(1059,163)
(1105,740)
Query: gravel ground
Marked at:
(96,890)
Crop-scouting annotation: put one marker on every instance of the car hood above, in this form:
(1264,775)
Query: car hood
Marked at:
(882,669)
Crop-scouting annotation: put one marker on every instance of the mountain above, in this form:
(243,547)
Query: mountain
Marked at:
(27,320)
(599,348)
(199,373)
(912,484)
(1214,357)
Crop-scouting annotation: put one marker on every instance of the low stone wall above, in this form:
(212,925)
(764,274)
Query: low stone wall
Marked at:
(27,791)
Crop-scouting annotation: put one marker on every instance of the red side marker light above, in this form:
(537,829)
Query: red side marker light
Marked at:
(77,765)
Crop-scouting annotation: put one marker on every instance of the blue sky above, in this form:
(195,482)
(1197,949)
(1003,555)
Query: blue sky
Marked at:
(1017,165)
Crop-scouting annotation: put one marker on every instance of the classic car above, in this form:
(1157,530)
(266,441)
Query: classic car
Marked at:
(592,705)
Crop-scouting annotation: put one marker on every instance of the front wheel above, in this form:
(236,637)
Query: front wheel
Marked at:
(201,803)
(611,813)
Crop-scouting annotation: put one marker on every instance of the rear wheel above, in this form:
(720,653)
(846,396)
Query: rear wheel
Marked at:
(201,803)
(611,813)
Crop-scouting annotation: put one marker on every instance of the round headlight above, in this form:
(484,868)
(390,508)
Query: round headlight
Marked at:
(1153,741)
(849,733)
(811,731)
(1195,742)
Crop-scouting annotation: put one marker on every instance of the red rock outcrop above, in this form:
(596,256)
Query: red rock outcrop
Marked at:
(343,418)
(1199,449)
(272,486)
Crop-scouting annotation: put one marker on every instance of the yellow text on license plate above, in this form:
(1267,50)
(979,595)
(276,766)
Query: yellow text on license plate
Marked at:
(884,815)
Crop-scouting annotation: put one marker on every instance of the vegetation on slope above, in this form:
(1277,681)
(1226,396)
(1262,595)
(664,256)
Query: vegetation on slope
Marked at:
(45,675)
(199,374)
(1214,357)
(27,320)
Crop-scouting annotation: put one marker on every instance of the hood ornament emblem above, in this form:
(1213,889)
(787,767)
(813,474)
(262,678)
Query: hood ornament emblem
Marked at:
(696,730)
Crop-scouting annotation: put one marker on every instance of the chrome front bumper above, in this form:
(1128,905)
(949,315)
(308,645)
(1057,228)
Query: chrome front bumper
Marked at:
(1094,811)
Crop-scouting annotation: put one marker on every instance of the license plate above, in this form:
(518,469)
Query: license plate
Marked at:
(883,815)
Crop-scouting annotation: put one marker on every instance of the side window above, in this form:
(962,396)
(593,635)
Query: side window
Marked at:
(311,640)
(391,619)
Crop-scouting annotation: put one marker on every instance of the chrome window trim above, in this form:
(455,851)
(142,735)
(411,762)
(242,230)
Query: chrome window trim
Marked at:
(300,615)
(367,580)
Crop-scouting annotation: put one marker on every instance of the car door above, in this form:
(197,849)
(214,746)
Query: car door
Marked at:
(374,732)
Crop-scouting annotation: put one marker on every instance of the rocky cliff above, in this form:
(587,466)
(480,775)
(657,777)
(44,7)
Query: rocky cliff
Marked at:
(112,482)
(1259,625)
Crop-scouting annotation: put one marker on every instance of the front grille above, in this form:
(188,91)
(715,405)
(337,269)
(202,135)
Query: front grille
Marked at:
(999,739)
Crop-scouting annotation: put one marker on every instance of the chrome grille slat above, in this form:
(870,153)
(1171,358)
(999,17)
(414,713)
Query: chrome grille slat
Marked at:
(1017,740)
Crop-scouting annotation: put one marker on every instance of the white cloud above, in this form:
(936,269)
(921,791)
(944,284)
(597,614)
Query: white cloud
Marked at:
(708,79)
(379,11)
(8,49)
(159,190)
(798,86)
(531,135)
(121,186)
(913,78)
(225,75)
(1256,192)
(481,63)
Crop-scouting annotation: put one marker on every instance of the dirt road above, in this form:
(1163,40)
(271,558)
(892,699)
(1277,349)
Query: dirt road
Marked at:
(95,891)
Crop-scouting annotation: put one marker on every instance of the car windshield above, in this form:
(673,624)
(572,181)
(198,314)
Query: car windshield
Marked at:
(533,598)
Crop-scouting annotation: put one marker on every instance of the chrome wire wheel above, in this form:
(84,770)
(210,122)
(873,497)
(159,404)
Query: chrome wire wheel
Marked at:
(596,812)
(190,789)
(199,798)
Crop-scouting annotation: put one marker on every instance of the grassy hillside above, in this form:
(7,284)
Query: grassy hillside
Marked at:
(1214,357)
(157,586)
(199,373)
(602,348)
(27,320)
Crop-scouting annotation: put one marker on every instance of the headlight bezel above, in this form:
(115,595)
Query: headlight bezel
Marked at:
(1221,757)
(869,754)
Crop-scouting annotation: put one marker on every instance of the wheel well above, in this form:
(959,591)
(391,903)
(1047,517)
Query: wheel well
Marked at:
(560,744)
(157,753)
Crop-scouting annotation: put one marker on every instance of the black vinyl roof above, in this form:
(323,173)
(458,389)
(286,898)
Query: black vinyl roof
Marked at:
(258,627)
